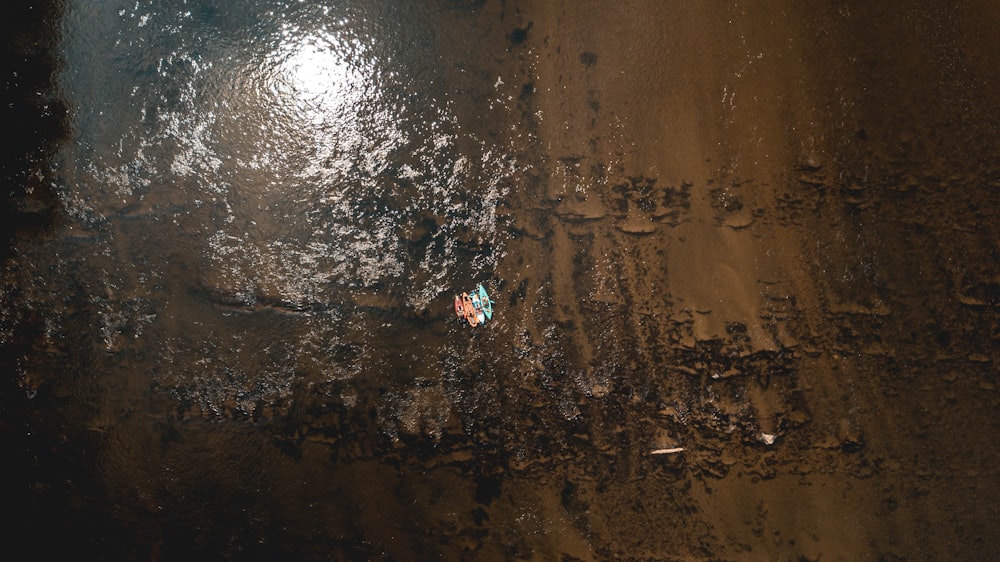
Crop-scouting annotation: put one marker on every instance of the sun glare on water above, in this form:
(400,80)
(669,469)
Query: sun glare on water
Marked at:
(318,75)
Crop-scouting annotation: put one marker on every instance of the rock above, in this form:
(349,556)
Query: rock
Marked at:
(731,372)
(814,180)
(852,438)
(739,220)
(812,162)
(636,226)
(581,210)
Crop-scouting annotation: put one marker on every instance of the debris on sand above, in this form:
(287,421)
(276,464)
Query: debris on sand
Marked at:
(635,225)
(669,451)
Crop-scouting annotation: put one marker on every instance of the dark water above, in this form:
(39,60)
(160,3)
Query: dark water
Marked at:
(294,172)
(744,264)
(257,200)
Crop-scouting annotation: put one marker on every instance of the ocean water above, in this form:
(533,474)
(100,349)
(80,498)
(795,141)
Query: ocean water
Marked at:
(266,209)
(299,172)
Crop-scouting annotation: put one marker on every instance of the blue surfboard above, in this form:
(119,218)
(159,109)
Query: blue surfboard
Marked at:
(485,302)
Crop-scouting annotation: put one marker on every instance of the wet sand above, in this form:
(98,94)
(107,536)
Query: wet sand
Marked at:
(760,223)
(746,310)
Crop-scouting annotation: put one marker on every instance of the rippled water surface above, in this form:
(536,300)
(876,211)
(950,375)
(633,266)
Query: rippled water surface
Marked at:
(294,170)
(268,208)
(314,135)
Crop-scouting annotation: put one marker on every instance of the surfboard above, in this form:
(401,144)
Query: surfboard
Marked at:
(470,311)
(485,302)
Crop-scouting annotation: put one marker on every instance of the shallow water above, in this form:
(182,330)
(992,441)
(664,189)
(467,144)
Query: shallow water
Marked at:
(735,254)
(284,177)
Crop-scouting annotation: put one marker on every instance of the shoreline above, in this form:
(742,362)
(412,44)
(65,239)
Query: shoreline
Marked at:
(747,286)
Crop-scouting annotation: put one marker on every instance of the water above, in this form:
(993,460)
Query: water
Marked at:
(267,209)
(278,164)
(735,254)
(311,135)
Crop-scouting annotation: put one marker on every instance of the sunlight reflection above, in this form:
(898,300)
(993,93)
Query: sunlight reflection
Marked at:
(318,74)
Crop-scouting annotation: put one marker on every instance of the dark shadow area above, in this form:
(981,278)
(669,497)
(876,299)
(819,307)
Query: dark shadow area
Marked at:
(35,117)
(42,506)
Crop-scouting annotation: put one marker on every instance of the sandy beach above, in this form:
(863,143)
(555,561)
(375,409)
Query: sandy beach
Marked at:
(746,274)
(754,217)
